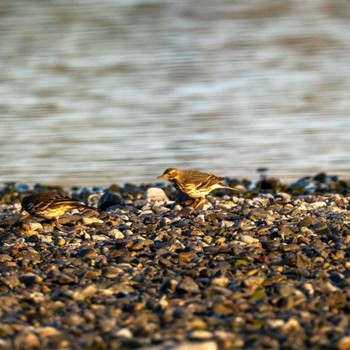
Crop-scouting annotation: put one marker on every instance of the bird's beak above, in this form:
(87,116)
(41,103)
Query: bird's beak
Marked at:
(161,177)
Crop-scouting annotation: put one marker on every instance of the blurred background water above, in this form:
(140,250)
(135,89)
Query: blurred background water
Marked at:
(94,92)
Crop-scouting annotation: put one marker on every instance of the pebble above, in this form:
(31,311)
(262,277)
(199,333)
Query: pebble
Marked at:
(187,285)
(86,293)
(117,234)
(344,343)
(124,333)
(220,281)
(207,345)
(35,226)
(60,241)
(201,335)
(48,332)
(26,341)
(318,205)
(268,269)
(248,239)
(291,326)
(110,199)
(91,220)
(154,193)
(30,279)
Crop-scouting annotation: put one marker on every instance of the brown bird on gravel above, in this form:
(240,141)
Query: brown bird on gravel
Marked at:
(51,205)
(195,184)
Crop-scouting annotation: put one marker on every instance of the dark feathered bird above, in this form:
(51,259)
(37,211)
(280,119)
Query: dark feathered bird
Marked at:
(50,205)
(195,184)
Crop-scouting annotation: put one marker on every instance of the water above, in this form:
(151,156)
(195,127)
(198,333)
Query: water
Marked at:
(114,91)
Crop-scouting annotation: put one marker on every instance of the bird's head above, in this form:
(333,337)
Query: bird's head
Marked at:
(170,174)
(25,202)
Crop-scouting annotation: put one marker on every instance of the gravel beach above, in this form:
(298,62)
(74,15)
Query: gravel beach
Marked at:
(268,269)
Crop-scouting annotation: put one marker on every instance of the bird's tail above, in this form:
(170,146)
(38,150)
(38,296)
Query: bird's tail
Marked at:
(235,189)
(84,206)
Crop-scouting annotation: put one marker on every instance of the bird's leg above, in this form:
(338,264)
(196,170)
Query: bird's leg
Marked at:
(198,202)
(184,200)
(57,224)
(19,219)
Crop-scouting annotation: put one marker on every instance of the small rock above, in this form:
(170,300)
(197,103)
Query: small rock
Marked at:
(317,205)
(253,281)
(291,326)
(141,204)
(35,226)
(86,293)
(323,229)
(344,343)
(60,241)
(112,272)
(248,239)
(187,256)
(226,223)
(156,194)
(201,335)
(73,320)
(121,288)
(26,341)
(206,206)
(105,325)
(207,345)
(110,199)
(187,285)
(10,281)
(117,234)
(307,221)
(5,257)
(220,282)
(91,220)
(87,253)
(275,323)
(30,279)
(5,344)
(124,333)
(309,289)
(63,278)
(48,332)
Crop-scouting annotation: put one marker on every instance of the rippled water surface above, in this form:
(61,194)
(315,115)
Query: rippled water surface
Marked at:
(94,92)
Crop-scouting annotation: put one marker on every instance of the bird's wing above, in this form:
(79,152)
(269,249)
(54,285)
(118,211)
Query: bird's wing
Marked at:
(75,203)
(56,200)
(205,180)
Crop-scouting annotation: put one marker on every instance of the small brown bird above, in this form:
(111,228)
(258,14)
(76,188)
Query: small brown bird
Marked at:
(50,205)
(194,184)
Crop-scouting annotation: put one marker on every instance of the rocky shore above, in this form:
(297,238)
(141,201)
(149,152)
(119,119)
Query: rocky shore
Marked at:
(269,269)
